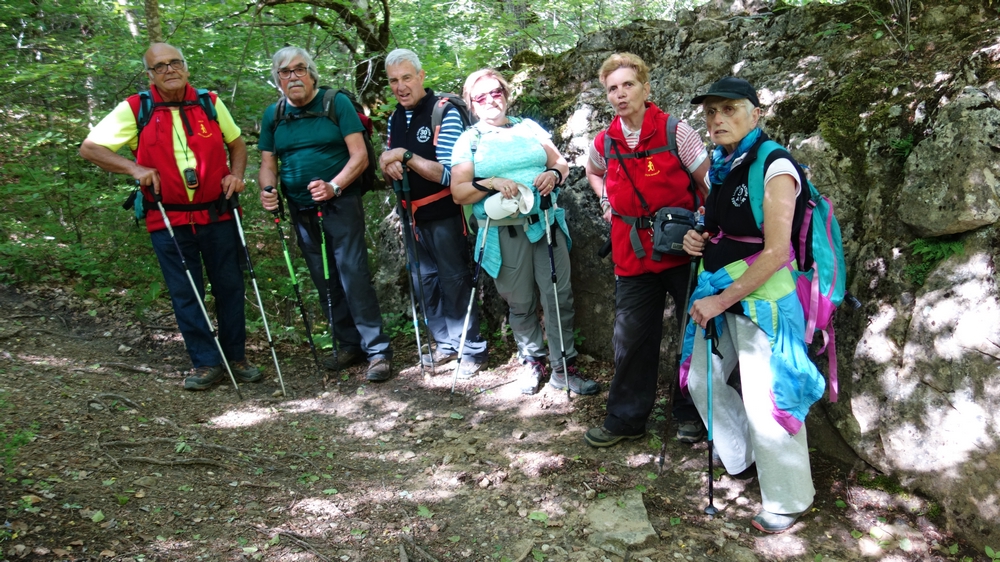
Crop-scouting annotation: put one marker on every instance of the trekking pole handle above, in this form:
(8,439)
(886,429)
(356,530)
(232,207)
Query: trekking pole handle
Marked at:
(546,203)
(270,189)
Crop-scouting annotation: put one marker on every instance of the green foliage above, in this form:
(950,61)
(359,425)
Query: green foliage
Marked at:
(994,555)
(928,253)
(902,147)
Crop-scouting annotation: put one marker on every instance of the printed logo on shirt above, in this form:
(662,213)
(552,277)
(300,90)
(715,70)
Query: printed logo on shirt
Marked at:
(423,134)
(203,131)
(740,196)
(651,169)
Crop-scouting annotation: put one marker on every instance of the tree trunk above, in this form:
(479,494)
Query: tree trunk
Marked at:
(153,21)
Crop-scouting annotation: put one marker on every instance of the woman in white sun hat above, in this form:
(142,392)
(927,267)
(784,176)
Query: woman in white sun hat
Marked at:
(507,167)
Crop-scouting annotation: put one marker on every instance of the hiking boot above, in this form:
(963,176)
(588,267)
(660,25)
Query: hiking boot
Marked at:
(690,431)
(244,371)
(768,522)
(600,437)
(469,367)
(347,357)
(438,357)
(203,378)
(577,384)
(531,375)
(379,369)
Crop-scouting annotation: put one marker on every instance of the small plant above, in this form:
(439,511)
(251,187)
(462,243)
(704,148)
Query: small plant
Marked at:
(930,253)
(902,147)
(994,555)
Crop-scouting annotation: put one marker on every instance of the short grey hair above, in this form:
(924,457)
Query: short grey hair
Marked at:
(285,55)
(145,64)
(400,56)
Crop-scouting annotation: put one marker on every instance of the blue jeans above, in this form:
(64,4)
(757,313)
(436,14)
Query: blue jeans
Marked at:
(216,247)
(443,255)
(639,303)
(357,319)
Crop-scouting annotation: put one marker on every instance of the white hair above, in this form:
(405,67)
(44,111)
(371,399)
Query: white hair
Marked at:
(400,56)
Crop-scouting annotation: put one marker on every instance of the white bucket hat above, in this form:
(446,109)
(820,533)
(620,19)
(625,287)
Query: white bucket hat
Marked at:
(498,207)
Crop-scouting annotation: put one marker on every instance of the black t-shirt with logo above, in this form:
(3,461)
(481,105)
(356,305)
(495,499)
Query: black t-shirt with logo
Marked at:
(728,207)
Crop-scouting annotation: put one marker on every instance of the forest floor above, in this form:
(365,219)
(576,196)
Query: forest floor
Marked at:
(110,459)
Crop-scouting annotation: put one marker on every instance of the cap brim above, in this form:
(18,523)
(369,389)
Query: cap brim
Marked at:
(729,95)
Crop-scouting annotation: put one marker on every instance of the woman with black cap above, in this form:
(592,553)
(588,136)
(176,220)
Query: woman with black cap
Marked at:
(747,290)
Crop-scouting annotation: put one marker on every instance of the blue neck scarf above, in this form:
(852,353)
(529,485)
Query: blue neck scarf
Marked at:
(722,162)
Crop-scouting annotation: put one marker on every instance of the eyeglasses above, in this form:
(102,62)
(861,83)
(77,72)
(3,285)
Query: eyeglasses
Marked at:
(495,94)
(161,68)
(286,73)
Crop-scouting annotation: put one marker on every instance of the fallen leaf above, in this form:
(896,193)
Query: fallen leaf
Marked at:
(107,554)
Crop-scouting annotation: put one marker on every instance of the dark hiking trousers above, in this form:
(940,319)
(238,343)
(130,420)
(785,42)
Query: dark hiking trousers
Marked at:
(639,304)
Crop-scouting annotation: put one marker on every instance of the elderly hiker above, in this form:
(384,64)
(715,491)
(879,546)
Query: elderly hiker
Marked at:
(505,167)
(321,162)
(747,291)
(636,175)
(180,155)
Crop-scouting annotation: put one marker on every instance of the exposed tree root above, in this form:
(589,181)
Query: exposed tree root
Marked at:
(294,538)
(419,550)
(175,462)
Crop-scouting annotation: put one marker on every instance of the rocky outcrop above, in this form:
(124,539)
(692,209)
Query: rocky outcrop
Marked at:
(901,129)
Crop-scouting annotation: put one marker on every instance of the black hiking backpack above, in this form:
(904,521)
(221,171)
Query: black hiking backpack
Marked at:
(444,99)
(367,177)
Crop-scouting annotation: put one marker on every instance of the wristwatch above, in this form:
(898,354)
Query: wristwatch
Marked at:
(406,157)
(337,190)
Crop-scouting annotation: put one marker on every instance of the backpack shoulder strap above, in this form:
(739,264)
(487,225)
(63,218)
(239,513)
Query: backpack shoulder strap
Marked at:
(755,182)
(330,106)
(279,113)
(207,101)
(145,110)
(671,133)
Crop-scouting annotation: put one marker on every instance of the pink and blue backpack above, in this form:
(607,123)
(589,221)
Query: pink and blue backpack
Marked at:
(817,260)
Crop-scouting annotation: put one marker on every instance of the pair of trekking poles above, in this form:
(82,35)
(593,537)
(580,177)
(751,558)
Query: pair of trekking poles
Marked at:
(236,211)
(402,190)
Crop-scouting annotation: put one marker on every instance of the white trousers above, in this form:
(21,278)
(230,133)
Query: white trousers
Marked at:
(743,430)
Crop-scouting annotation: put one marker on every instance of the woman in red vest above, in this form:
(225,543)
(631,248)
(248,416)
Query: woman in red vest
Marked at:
(632,188)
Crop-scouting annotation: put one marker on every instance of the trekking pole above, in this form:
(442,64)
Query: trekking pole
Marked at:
(711,336)
(468,311)
(695,260)
(329,294)
(235,202)
(413,303)
(408,217)
(278,215)
(546,205)
(158,197)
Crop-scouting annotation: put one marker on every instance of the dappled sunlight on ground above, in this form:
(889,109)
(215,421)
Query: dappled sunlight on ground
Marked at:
(244,417)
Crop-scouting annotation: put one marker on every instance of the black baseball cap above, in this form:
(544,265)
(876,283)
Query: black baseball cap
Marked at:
(732,88)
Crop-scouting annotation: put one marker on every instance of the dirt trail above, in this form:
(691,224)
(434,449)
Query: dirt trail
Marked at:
(126,465)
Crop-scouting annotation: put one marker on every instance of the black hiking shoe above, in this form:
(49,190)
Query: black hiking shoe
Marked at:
(347,357)
(576,383)
(244,371)
(203,378)
(379,370)
(600,437)
(690,431)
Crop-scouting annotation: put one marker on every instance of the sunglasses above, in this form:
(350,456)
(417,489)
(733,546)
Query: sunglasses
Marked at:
(494,94)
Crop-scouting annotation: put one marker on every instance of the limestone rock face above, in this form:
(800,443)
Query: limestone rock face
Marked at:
(952,178)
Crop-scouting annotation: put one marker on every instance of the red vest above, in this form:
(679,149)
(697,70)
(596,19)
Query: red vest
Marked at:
(156,150)
(660,178)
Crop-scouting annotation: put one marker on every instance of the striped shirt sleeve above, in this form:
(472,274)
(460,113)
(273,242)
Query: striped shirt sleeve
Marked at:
(451,129)
(690,147)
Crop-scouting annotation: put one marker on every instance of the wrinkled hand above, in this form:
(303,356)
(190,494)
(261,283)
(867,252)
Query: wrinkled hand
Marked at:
(320,190)
(703,310)
(694,242)
(269,200)
(546,182)
(507,187)
(232,184)
(391,163)
(147,177)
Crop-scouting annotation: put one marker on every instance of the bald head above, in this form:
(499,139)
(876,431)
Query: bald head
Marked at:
(167,70)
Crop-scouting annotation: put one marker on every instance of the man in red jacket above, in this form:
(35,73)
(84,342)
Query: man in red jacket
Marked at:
(181,156)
